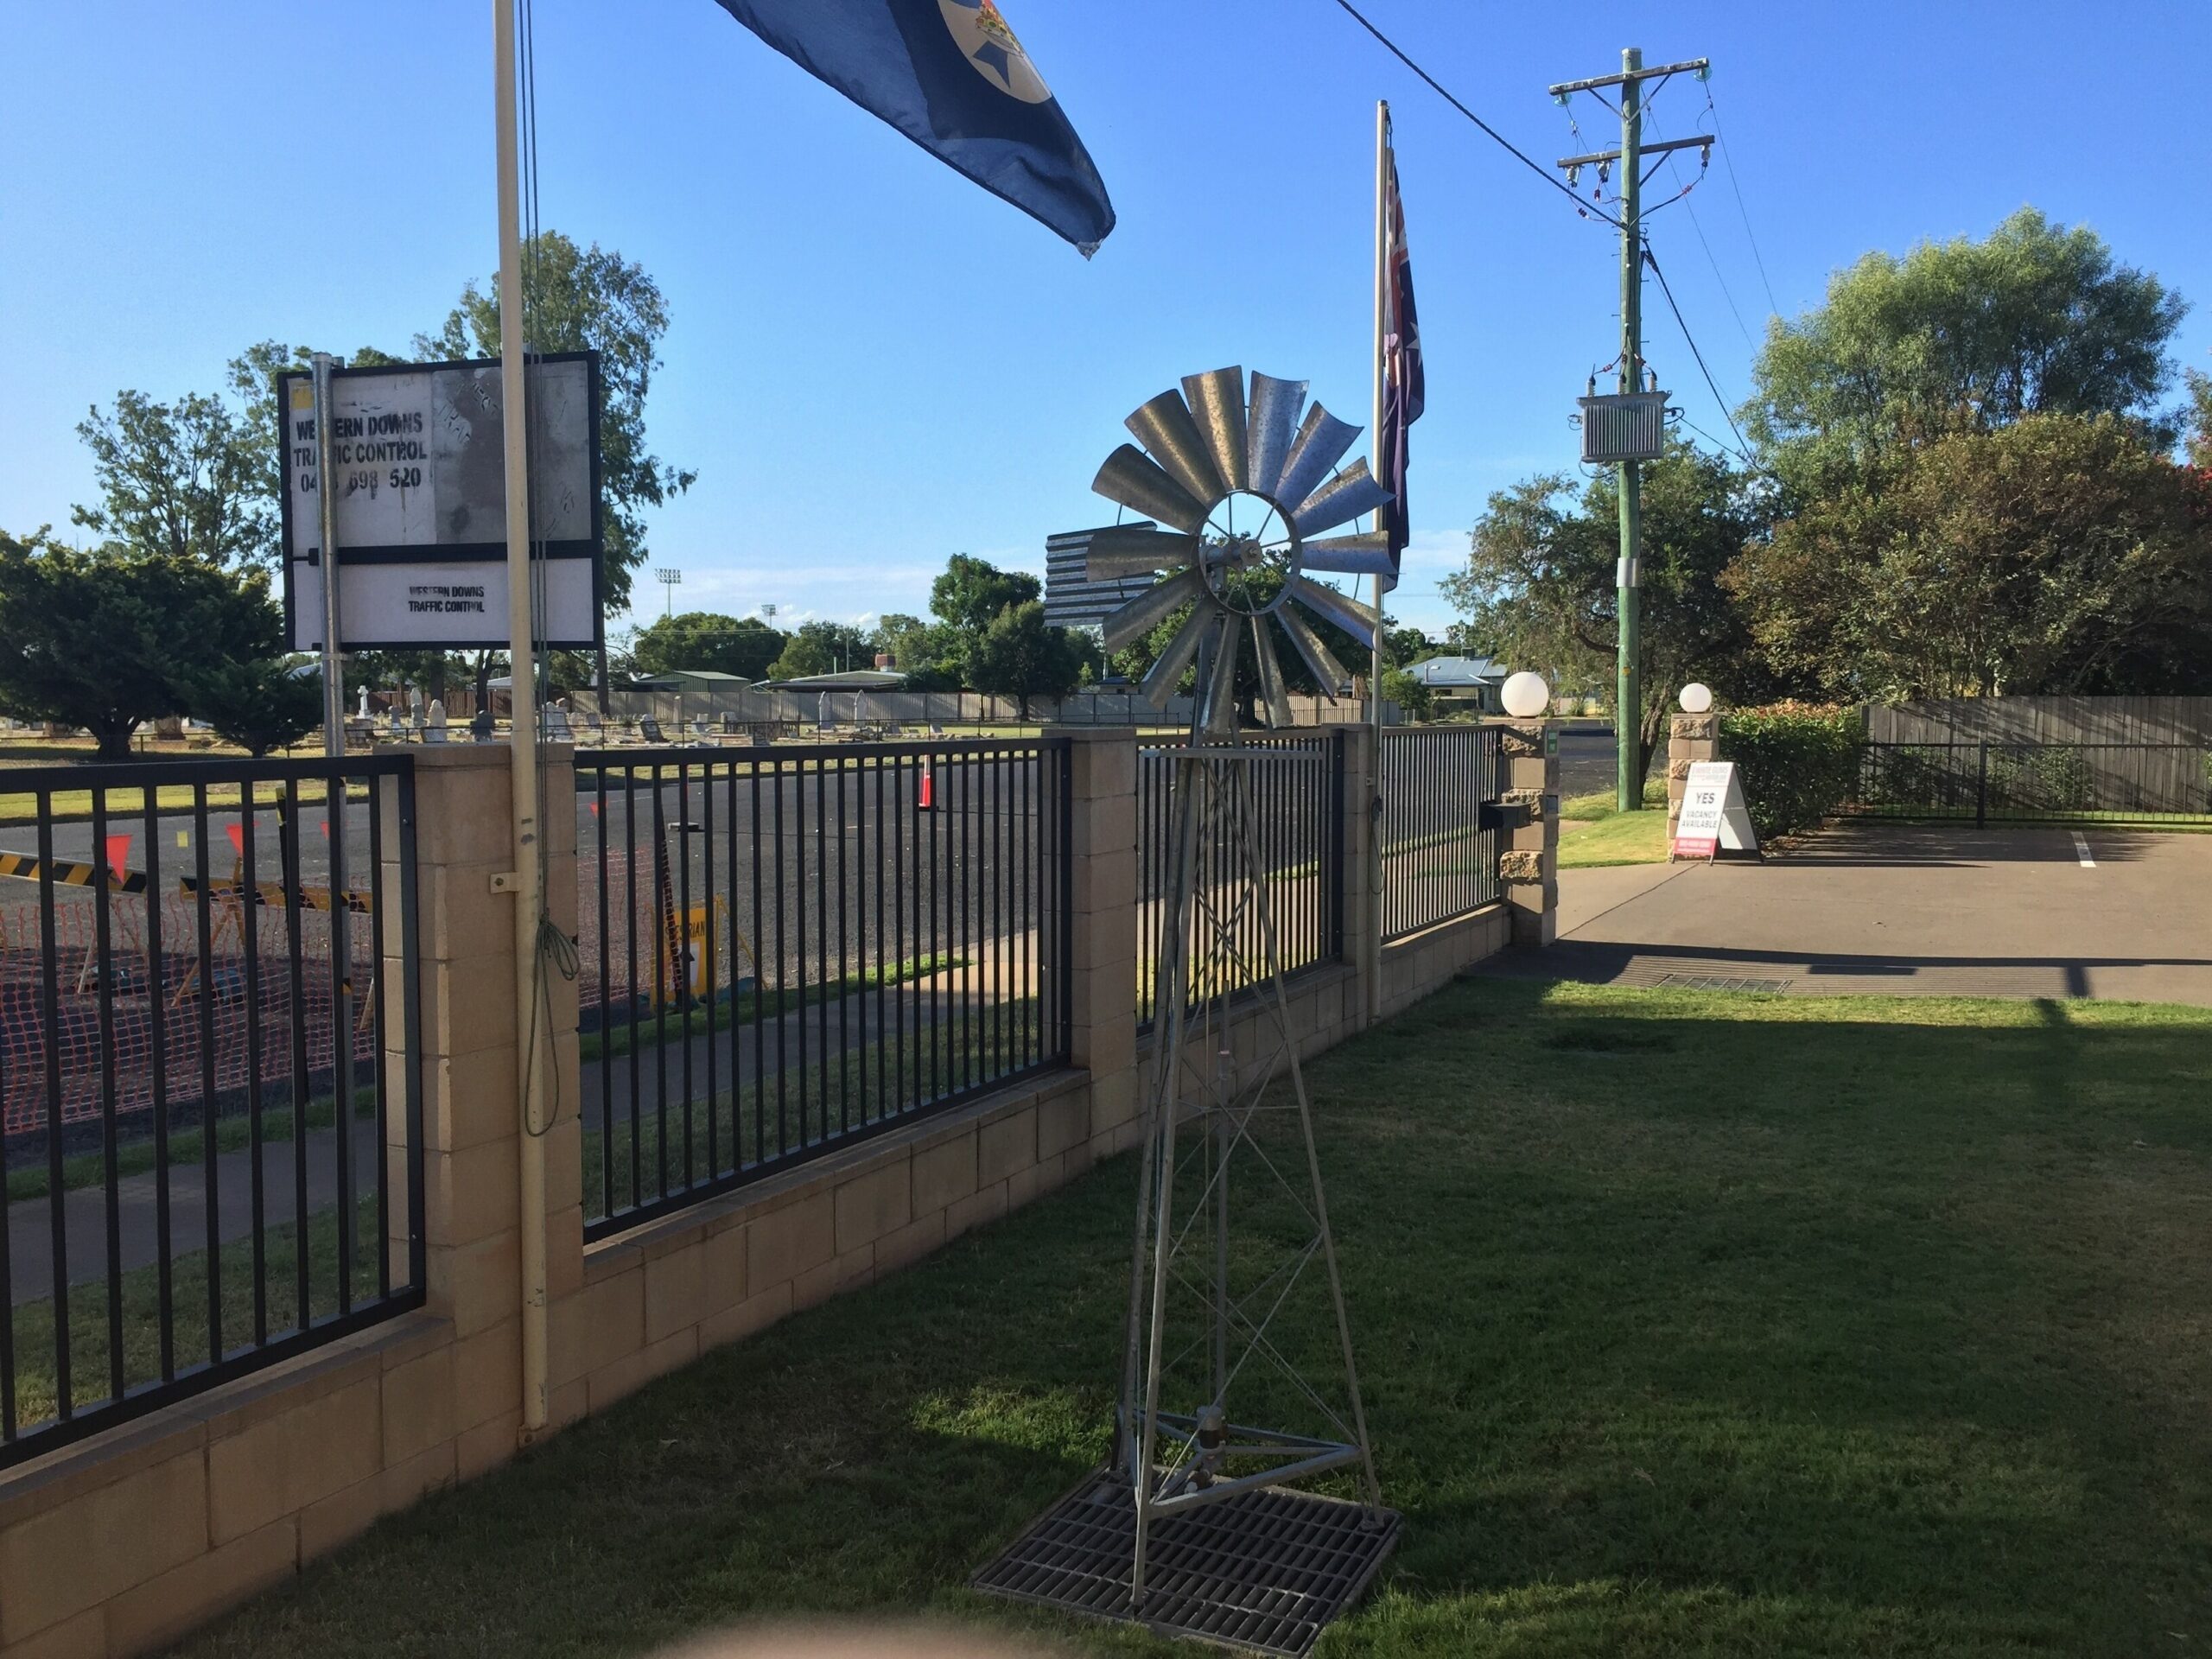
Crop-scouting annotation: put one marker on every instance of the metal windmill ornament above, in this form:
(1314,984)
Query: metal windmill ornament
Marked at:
(1212,458)
(1193,1527)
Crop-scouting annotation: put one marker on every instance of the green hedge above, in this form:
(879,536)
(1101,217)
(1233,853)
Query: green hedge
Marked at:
(1798,762)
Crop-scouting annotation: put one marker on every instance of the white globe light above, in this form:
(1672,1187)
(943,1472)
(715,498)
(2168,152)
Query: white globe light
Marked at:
(1526,695)
(1696,698)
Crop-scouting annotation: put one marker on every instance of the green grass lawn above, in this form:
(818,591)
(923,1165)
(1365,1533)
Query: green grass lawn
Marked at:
(1691,1324)
(1592,831)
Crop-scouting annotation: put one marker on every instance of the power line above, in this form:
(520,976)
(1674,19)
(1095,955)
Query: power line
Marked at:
(1698,225)
(1512,148)
(1691,341)
(1729,162)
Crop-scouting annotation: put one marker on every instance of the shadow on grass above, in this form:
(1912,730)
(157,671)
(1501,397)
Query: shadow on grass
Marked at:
(1832,1329)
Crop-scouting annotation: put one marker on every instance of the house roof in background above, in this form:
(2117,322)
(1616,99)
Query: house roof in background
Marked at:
(1461,672)
(852,679)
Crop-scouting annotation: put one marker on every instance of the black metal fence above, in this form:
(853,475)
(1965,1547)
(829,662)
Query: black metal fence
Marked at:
(207,970)
(785,950)
(1298,786)
(1441,787)
(2028,781)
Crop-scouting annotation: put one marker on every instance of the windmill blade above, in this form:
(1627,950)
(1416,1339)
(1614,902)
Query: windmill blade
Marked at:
(1367,553)
(1144,613)
(1320,661)
(1134,549)
(1321,442)
(1218,405)
(1134,481)
(1348,614)
(1158,681)
(1271,691)
(1274,424)
(1164,427)
(1219,708)
(1343,499)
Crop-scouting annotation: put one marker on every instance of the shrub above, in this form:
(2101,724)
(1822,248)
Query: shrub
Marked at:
(1798,762)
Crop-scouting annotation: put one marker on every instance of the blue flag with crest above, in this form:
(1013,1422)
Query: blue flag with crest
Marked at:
(950,75)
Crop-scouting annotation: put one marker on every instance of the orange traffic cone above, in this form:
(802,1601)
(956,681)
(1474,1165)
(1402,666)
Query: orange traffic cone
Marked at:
(927,801)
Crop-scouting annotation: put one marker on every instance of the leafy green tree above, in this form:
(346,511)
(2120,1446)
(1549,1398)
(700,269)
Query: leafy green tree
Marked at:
(1538,590)
(1414,696)
(972,592)
(183,480)
(2200,419)
(744,646)
(821,648)
(589,298)
(920,651)
(1019,655)
(258,703)
(1960,336)
(2057,555)
(100,639)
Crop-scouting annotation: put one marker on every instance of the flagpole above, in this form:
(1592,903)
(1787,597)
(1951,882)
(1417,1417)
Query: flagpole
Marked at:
(1375,669)
(534,1039)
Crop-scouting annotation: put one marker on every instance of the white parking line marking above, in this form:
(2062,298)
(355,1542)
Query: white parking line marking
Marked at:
(2081,851)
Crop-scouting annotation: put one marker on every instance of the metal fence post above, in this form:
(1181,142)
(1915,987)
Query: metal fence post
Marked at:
(1981,787)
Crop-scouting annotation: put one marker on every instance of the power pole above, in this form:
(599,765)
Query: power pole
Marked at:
(1628,695)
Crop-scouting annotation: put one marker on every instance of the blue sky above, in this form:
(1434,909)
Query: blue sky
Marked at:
(874,365)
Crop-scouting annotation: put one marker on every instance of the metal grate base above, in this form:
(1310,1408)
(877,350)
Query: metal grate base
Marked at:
(1721,983)
(1265,1571)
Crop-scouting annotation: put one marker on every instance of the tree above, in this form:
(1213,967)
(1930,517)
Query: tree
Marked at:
(1018,655)
(1960,336)
(1413,696)
(250,691)
(186,479)
(589,298)
(1539,590)
(918,649)
(744,646)
(2200,420)
(972,592)
(260,704)
(820,648)
(2056,555)
(98,639)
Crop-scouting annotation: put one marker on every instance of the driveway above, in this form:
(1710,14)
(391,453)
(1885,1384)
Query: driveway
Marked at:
(1927,909)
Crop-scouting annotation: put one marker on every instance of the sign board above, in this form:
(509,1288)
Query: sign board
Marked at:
(421,478)
(1713,815)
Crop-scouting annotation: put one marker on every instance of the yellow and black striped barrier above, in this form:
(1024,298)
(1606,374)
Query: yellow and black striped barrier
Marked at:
(271,894)
(67,872)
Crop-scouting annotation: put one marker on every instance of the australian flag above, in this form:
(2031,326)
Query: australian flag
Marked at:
(951,76)
(1404,383)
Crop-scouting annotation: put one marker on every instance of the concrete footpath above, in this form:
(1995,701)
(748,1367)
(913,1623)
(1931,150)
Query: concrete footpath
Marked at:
(1919,909)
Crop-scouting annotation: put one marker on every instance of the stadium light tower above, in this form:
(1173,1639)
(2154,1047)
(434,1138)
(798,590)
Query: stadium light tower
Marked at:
(670,580)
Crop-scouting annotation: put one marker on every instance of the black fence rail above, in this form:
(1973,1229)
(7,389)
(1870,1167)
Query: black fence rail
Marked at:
(1441,787)
(1298,784)
(785,950)
(208,1008)
(1998,781)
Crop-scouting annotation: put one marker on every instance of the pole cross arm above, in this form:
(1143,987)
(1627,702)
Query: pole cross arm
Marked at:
(1703,142)
(1658,72)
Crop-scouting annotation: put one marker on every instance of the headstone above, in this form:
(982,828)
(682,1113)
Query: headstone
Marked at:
(434,724)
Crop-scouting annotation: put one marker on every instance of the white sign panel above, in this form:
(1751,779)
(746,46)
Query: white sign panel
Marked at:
(1713,815)
(418,468)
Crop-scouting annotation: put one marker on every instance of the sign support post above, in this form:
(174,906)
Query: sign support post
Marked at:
(326,496)
(533,1031)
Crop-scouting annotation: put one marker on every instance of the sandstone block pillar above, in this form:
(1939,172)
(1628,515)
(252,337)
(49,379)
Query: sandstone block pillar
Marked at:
(1528,867)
